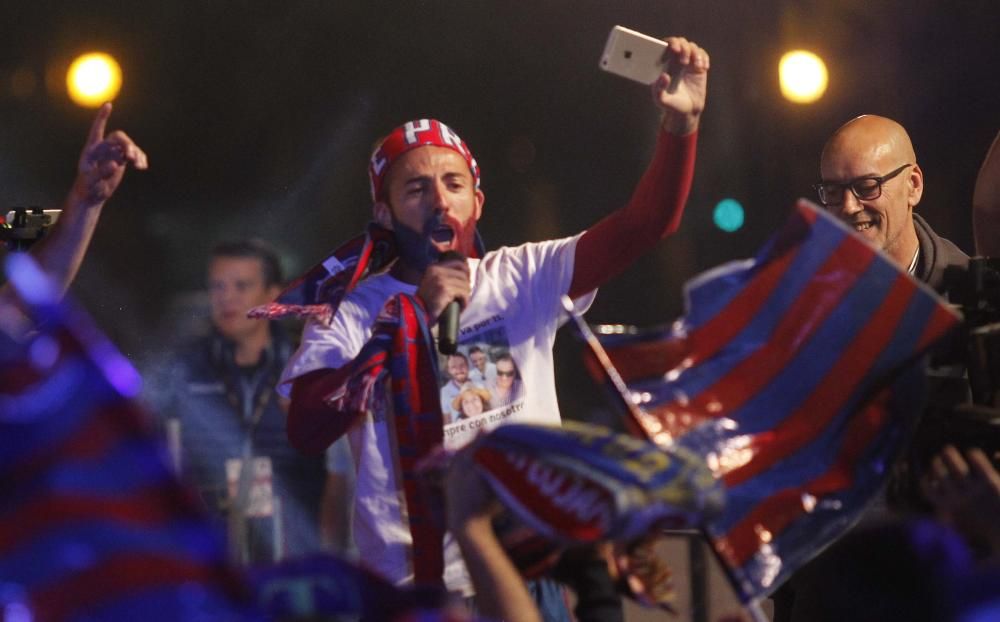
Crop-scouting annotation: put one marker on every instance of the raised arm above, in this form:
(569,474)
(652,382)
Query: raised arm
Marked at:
(99,172)
(100,169)
(986,203)
(469,507)
(656,206)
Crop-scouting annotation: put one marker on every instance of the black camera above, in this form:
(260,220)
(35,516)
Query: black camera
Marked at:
(964,374)
(23,226)
(976,293)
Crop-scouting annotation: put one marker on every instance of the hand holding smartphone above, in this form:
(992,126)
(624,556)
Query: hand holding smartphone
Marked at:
(639,57)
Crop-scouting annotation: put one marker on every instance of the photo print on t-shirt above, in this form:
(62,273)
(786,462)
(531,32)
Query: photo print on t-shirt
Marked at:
(481,385)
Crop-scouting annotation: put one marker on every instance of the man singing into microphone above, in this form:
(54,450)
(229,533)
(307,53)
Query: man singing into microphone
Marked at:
(425,188)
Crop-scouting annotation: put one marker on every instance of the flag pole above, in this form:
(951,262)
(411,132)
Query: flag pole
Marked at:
(652,430)
(637,420)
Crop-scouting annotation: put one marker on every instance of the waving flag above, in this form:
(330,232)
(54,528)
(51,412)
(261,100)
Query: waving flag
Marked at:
(584,483)
(93,524)
(796,376)
(577,483)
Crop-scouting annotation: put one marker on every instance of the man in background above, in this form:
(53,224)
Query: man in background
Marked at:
(871,180)
(217,396)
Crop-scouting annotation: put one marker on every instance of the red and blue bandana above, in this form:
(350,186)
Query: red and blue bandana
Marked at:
(410,135)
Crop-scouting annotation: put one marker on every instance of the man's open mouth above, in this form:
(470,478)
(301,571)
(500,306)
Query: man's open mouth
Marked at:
(443,234)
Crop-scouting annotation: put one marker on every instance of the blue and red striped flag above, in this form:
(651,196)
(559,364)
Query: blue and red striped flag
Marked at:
(797,376)
(93,523)
(583,483)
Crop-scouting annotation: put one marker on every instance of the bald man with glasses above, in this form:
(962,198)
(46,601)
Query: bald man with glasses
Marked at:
(871,181)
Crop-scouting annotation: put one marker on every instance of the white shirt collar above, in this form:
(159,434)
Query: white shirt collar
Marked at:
(913,262)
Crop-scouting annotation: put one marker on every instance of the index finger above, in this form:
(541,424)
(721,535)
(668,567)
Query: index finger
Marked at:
(100,122)
(980,464)
(954,463)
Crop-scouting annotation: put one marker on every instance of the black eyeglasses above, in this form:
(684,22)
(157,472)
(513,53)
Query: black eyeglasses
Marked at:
(831,193)
(506,373)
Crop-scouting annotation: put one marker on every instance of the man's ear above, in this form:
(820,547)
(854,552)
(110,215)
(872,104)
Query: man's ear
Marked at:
(480,200)
(382,214)
(915,185)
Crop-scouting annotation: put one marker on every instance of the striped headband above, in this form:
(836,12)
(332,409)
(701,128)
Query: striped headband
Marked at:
(411,135)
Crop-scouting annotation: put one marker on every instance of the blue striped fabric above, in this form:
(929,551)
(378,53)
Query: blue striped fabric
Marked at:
(796,376)
(584,483)
(93,525)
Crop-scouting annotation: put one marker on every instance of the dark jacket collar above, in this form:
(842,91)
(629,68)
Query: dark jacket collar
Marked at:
(222,351)
(937,254)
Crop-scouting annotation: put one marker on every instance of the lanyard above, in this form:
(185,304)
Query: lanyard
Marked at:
(260,398)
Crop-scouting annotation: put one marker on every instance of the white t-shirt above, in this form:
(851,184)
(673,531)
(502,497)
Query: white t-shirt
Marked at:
(514,309)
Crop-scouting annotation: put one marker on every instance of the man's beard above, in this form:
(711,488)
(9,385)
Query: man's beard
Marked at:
(415,247)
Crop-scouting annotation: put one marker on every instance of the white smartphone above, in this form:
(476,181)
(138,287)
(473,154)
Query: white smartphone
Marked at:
(638,57)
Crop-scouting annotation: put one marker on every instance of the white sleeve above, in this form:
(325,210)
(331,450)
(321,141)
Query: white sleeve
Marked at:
(544,272)
(558,260)
(328,346)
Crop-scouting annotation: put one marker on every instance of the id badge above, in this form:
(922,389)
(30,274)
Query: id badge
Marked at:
(260,497)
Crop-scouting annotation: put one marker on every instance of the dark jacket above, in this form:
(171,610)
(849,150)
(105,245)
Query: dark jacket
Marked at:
(226,412)
(936,255)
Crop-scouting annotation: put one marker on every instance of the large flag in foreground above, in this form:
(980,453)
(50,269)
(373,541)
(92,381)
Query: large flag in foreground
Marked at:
(93,524)
(797,376)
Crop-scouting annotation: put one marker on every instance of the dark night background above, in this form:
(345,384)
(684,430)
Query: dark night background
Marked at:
(258,118)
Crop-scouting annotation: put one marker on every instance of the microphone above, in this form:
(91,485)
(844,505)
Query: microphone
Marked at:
(448,322)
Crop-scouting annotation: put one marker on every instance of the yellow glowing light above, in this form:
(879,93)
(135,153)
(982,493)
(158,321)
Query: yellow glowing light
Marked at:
(802,76)
(93,79)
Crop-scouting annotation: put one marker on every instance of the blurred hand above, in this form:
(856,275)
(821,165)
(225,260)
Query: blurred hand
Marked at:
(645,573)
(965,490)
(468,498)
(104,160)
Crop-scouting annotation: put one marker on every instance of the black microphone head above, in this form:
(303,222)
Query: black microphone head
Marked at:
(448,322)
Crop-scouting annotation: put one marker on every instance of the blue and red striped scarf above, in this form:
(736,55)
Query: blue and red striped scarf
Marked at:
(319,291)
(401,352)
